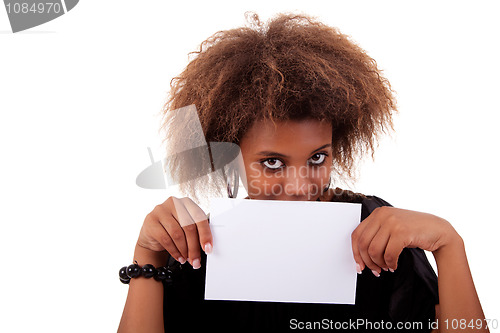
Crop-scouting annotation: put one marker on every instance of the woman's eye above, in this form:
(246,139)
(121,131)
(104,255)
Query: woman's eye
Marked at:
(317,158)
(272,163)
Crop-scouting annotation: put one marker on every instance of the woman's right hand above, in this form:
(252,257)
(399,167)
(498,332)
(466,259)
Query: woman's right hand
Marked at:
(180,227)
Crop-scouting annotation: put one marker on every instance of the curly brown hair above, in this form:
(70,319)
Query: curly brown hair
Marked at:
(291,68)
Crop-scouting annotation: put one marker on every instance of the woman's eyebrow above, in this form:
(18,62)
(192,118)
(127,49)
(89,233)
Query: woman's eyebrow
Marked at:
(272,153)
(322,147)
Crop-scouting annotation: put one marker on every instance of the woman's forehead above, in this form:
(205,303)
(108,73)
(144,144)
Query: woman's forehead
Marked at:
(265,134)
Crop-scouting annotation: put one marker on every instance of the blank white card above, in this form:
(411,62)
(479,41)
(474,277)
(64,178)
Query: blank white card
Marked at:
(282,251)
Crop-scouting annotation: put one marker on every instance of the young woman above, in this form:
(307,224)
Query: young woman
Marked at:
(294,94)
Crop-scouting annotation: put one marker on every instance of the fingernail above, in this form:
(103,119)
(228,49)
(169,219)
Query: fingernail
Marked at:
(375,273)
(391,270)
(385,269)
(358,268)
(196,263)
(208,248)
(181,260)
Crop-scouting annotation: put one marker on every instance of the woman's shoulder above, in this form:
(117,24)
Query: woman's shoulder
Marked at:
(369,202)
(341,195)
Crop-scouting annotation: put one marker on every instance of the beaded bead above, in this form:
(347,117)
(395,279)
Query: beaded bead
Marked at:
(148,271)
(162,273)
(123,275)
(133,271)
(169,278)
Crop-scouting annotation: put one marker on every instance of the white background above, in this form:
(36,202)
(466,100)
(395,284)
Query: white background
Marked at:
(79,98)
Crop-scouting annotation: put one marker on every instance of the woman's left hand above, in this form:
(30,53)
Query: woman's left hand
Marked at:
(379,239)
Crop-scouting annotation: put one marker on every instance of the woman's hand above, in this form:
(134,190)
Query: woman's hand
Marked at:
(379,239)
(180,227)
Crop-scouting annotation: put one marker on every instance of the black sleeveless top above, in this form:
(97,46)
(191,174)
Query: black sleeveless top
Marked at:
(402,301)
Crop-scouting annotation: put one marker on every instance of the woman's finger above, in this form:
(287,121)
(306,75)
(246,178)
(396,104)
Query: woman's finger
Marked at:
(188,225)
(162,237)
(165,214)
(393,249)
(194,249)
(376,249)
(205,235)
(201,221)
(177,235)
(360,265)
(364,239)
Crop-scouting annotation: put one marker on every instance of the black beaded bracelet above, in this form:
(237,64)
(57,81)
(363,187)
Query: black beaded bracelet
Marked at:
(162,273)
